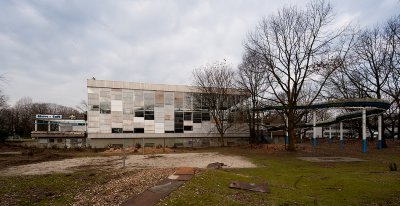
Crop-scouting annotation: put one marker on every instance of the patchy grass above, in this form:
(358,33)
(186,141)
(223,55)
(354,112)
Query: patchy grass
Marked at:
(54,189)
(297,182)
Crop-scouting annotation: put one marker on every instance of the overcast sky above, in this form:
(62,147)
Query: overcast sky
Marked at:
(49,48)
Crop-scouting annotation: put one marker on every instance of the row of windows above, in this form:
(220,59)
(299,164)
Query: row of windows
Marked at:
(141,130)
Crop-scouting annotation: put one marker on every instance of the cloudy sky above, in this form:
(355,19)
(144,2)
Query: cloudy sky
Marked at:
(48,48)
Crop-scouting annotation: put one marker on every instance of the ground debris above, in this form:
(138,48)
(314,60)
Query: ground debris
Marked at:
(263,187)
(216,165)
(122,186)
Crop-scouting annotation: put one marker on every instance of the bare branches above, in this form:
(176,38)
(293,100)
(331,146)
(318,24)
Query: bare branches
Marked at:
(297,47)
(215,84)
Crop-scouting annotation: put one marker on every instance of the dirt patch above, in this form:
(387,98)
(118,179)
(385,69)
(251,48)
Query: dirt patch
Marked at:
(199,160)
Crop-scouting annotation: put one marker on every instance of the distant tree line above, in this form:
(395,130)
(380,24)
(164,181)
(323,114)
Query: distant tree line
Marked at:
(18,120)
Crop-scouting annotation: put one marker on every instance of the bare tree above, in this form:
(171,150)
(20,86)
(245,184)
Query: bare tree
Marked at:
(83,107)
(251,78)
(298,47)
(215,82)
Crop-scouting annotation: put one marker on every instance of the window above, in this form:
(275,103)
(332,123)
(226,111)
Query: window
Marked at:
(95,108)
(149,115)
(169,98)
(149,100)
(188,128)
(59,140)
(205,116)
(116,130)
(178,122)
(178,100)
(139,113)
(105,107)
(196,117)
(138,130)
(51,140)
(127,131)
(159,99)
(187,116)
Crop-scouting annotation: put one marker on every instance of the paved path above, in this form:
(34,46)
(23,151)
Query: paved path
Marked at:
(155,194)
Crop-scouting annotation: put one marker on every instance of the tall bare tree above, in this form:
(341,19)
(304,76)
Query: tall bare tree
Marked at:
(215,82)
(251,78)
(298,47)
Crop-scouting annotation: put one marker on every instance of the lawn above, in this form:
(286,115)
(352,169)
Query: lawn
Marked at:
(296,182)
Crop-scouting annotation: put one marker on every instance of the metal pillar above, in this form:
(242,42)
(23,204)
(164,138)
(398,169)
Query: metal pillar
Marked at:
(314,130)
(341,136)
(379,132)
(35,125)
(287,132)
(330,135)
(364,130)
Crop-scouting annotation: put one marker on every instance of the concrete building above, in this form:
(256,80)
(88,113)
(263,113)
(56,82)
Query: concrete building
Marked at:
(127,113)
(60,130)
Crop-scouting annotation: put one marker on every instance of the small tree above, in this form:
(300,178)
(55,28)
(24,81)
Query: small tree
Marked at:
(215,83)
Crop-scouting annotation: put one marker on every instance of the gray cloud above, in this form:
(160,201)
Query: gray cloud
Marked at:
(49,48)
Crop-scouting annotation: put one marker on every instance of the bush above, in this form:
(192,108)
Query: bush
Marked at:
(392,166)
(3,135)
(138,146)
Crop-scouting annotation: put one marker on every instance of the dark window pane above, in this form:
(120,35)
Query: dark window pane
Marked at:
(116,130)
(138,130)
(169,131)
(139,113)
(149,117)
(127,131)
(188,116)
(178,130)
(188,128)
(205,116)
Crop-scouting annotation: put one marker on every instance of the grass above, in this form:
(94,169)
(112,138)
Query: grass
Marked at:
(296,182)
(54,189)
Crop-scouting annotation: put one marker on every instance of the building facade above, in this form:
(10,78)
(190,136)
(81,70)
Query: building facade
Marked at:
(127,113)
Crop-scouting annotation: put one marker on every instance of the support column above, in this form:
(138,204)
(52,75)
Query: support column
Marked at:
(379,132)
(330,135)
(364,130)
(314,143)
(48,126)
(35,125)
(341,136)
(287,132)
(272,139)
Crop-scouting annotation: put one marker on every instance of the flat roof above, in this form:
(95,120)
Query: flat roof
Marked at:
(139,86)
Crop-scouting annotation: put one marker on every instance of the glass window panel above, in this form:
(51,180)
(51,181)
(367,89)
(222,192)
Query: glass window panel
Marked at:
(116,130)
(138,130)
(169,98)
(196,117)
(149,115)
(94,108)
(187,116)
(188,101)
(159,98)
(188,128)
(149,100)
(105,107)
(116,94)
(138,102)
(178,100)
